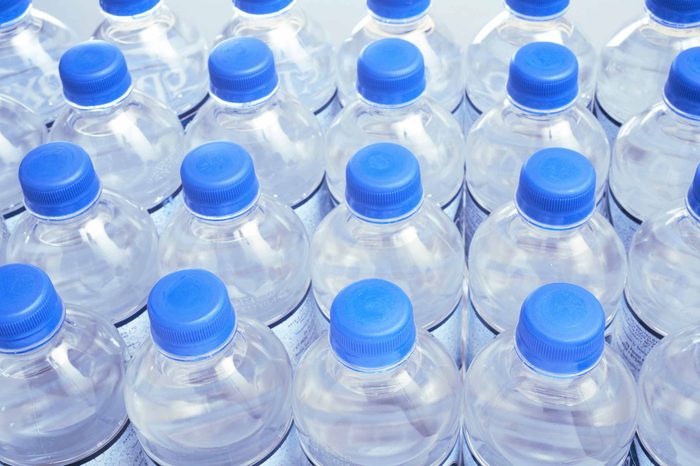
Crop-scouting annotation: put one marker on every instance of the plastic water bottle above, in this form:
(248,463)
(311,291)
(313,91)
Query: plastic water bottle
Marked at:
(20,131)
(550,233)
(393,107)
(663,287)
(386,230)
(167,57)
(657,151)
(550,392)
(62,376)
(669,414)
(4,236)
(540,110)
(378,391)
(635,63)
(522,22)
(135,141)
(409,20)
(284,138)
(305,59)
(31,43)
(230,379)
(257,246)
(100,250)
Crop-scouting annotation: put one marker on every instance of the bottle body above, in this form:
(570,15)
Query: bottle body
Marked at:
(104,260)
(167,57)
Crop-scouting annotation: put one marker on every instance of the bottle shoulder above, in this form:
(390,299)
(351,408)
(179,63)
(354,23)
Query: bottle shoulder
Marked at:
(42,28)
(291,23)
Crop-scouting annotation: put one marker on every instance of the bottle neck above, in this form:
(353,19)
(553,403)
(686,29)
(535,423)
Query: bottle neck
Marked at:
(202,362)
(139,17)
(670,28)
(272,16)
(40,349)
(394,223)
(230,220)
(537,113)
(552,231)
(400,26)
(536,19)
(245,107)
(682,118)
(393,108)
(80,216)
(106,107)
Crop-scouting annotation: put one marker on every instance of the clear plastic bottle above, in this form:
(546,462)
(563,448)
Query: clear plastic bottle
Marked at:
(282,136)
(167,57)
(62,375)
(656,152)
(31,43)
(229,379)
(409,20)
(4,236)
(635,63)
(540,110)
(550,392)
(257,246)
(304,57)
(393,108)
(663,287)
(522,22)
(136,143)
(386,230)
(669,409)
(20,131)
(550,233)
(100,250)
(377,391)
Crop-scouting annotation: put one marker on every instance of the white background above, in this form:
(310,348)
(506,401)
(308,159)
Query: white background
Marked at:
(599,19)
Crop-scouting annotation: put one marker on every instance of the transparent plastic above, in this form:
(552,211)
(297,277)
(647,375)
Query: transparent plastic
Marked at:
(30,48)
(489,55)
(234,406)
(21,130)
(423,127)
(167,57)
(515,415)
(407,414)
(669,418)
(635,63)
(4,237)
(62,401)
(304,58)
(135,143)
(510,257)
(442,55)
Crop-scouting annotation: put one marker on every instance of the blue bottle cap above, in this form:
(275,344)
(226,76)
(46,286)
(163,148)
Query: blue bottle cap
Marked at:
(242,70)
(694,194)
(94,73)
(58,180)
(557,188)
(191,314)
(10,10)
(675,11)
(218,180)
(383,182)
(127,7)
(372,325)
(682,90)
(543,76)
(261,7)
(398,9)
(561,329)
(390,72)
(31,310)
(538,8)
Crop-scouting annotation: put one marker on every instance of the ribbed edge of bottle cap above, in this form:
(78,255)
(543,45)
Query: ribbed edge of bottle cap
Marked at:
(675,11)
(398,9)
(538,8)
(127,7)
(261,7)
(10,10)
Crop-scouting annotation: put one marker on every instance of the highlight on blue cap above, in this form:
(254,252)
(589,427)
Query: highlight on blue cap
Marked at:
(561,330)
(191,314)
(242,70)
(383,182)
(261,7)
(10,10)
(538,8)
(218,180)
(372,325)
(543,76)
(694,194)
(682,90)
(58,180)
(31,310)
(127,7)
(398,9)
(94,73)
(391,72)
(682,12)
(557,188)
